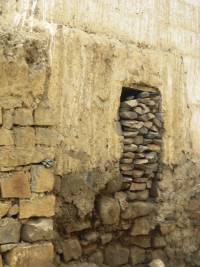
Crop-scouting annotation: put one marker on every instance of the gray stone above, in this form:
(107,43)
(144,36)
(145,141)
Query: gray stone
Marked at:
(138,140)
(139,110)
(109,210)
(132,124)
(143,130)
(130,148)
(147,101)
(153,135)
(130,134)
(71,249)
(141,227)
(128,115)
(90,236)
(147,141)
(126,161)
(37,229)
(9,231)
(116,255)
(138,187)
(128,141)
(142,148)
(157,263)
(129,155)
(127,173)
(154,128)
(158,241)
(150,116)
(137,173)
(106,238)
(137,255)
(144,117)
(140,161)
(145,109)
(144,95)
(114,185)
(148,124)
(129,103)
(137,209)
(127,179)
(157,122)
(142,241)
(141,195)
(152,156)
(126,167)
(97,258)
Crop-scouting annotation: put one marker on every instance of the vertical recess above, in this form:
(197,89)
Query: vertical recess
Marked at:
(142,128)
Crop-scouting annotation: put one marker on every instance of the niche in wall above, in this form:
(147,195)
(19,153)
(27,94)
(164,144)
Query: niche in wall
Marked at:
(142,129)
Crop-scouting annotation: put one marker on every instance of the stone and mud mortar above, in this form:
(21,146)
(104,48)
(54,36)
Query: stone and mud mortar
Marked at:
(99,134)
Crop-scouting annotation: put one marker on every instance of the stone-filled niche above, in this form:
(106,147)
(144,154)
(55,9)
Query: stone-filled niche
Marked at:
(142,128)
(141,122)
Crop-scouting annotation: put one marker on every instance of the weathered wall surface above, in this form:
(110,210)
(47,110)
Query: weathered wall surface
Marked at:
(73,69)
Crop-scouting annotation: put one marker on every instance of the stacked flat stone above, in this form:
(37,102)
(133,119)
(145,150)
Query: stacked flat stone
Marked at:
(142,127)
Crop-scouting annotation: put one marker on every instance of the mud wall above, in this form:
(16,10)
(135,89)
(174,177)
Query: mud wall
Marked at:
(60,94)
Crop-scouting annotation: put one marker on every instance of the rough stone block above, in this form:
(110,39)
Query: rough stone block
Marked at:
(6,137)
(158,241)
(109,210)
(40,255)
(37,207)
(167,228)
(154,147)
(97,257)
(44,117)
(141,227)
(137,255)
(23,117)
(137,209)
(9,231)
(46,136)
(42,179)
(140,195)
(116,255)
(137,186)
(142,241)
(90,236)
(106,238)
(8,119)
(71,249)
(24,136)
(4,208)
(16,187)
(18,156)
(75,189)
(37,230)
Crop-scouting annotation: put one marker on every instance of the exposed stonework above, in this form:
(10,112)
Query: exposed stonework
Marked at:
(59,99)
(39,255)
(37,207)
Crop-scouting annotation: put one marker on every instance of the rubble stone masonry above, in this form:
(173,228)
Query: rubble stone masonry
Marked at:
(99,133)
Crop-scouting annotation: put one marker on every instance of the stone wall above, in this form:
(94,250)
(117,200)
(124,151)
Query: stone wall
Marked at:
(62,74)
